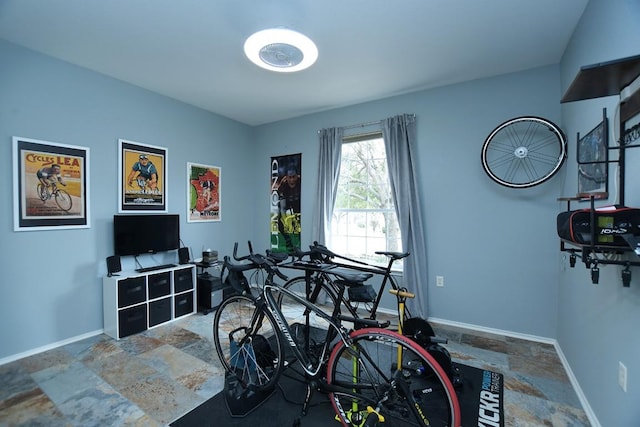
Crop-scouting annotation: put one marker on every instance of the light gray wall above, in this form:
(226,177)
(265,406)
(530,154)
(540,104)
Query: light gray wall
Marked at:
(495,247)
(51,287)
(599,325)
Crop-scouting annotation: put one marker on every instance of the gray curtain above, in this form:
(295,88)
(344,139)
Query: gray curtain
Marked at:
(399,134)
(328,172)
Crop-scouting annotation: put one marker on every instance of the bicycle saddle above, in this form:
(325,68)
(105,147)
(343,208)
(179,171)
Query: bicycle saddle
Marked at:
(277,257)
(394,255)
(351,277)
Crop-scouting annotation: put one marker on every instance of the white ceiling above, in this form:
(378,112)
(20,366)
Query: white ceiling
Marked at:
(191,50)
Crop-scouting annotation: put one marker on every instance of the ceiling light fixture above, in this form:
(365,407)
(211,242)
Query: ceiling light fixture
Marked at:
(281,50)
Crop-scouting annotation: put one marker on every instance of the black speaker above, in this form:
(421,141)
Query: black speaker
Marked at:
(183,255)
(113,265)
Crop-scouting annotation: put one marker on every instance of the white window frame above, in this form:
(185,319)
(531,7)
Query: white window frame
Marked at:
(345,242)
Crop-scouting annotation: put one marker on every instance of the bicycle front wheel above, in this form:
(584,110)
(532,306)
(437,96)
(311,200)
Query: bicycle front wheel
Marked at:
(392,375)
(524,151)
(63,200)
(248,345)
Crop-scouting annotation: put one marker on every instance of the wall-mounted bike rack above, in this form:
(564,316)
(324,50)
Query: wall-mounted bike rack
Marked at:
(595,81)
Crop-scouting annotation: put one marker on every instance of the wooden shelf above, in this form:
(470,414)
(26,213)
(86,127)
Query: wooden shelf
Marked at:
(593,248)
(603,79)
(607,79)
(584,197)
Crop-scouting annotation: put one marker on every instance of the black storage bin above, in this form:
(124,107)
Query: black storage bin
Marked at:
(159,311)
(131,291)
(159,284)
(183,304)
(132,320)
(209,292)
(183,280)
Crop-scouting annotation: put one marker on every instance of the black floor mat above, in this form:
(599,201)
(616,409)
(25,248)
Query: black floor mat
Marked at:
(480,398)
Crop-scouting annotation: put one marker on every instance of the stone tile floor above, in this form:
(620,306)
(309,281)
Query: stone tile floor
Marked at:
(153,378)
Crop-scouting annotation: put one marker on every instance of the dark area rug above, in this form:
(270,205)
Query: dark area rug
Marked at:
(480,397)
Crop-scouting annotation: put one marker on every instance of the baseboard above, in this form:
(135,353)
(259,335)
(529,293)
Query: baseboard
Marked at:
(528,337)
(47,347)
(593,420)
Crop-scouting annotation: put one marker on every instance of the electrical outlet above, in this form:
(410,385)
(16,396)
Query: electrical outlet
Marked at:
(622,376)
(440,281)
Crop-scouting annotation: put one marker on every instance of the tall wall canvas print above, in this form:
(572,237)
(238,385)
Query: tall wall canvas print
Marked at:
(50,185)
(286,176)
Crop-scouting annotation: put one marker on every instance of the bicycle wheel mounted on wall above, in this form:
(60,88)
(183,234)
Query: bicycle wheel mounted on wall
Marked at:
(524,151)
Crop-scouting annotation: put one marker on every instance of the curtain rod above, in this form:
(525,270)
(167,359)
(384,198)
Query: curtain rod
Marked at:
(358,125)
(366,124)
(362,125)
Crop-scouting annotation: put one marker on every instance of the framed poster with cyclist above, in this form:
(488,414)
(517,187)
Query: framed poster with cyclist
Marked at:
(142,177)
(50,185)
(203,193)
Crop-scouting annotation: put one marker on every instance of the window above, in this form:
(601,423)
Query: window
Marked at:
(364,218)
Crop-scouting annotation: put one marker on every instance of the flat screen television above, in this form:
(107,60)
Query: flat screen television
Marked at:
(142,234)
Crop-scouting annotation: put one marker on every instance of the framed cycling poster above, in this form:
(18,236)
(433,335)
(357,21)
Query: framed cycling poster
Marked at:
(50,185)
(142,177)
(203,193)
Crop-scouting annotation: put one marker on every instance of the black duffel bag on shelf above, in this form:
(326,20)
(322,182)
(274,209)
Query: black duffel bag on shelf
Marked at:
(611,225)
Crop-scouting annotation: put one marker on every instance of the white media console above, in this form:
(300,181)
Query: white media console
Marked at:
(136,301)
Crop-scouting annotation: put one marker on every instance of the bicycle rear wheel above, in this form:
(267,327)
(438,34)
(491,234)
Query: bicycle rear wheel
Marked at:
(418,393)
(42,192)
(248,345)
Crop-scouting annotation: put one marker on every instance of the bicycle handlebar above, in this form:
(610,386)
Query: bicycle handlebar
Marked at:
(235,253)
(256,261)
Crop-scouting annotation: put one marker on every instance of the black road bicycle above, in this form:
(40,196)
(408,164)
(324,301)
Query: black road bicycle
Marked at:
(371,375)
